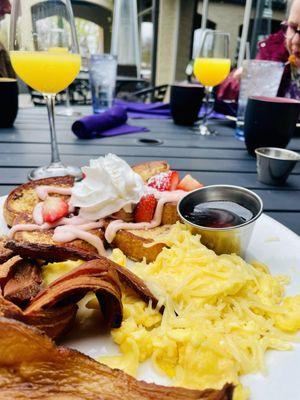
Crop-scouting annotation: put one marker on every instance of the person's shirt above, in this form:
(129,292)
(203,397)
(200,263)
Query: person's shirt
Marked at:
(292,89)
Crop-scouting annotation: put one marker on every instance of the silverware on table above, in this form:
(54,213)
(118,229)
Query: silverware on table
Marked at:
(275,164)
(230,239)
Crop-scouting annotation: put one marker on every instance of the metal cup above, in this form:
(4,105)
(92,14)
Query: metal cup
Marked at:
(274,164)
(223,240)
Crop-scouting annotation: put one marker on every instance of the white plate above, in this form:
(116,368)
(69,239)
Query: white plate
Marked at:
(271,243)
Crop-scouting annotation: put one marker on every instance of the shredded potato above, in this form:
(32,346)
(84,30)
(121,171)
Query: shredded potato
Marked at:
(221,316)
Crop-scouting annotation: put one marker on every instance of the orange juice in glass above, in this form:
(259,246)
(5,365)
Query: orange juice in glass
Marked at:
(211,67)
(46,71)
(211,71)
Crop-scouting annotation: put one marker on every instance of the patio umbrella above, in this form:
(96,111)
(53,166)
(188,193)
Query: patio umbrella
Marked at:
(125,37)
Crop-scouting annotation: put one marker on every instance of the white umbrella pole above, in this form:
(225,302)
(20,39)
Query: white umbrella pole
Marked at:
(246,21)
(204,14)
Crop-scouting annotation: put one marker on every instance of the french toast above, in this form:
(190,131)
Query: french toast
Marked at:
(21,202)
(134,244)
(148,169)
(36,244)
(24,198)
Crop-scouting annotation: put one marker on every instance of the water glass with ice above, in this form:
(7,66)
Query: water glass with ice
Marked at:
(259,78)
(103,73)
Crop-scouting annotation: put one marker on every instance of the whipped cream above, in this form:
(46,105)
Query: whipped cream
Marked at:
(109,185)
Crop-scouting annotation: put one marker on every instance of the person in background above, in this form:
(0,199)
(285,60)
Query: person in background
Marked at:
(5,8)
(283,46)
(6,69)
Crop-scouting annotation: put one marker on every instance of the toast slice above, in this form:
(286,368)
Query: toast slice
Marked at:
(134,244)
(148,169)
(23,199)
(32,243)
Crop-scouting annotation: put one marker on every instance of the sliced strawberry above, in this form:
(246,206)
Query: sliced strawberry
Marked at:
(165,181)
(145,209)
(189,183)
(54,208)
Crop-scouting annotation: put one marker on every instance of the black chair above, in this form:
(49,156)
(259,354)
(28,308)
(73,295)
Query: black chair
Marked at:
(148,95)
(79,93)
(127,70)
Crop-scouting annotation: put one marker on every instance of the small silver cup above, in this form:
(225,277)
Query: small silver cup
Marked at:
(274,165)
(227,240)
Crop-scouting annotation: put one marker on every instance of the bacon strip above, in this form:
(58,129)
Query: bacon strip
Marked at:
(54,309)
(32,367)
(25,282)
(54,322)
(95,276)
(57,253)
(5,253)
(7,269)
(49,252)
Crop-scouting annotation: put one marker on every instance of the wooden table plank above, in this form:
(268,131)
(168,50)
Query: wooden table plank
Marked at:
(190,164)
(249,180)
(131,150)
(191,141)
(290,219)
(32,122)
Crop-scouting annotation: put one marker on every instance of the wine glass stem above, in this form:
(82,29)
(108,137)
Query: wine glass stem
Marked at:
(208,90)
(50,101)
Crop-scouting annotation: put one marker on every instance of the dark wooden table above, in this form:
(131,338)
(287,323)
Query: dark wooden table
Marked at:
(212,160)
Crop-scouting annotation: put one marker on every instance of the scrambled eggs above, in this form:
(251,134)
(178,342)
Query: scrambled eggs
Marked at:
(53,271)
(221,315)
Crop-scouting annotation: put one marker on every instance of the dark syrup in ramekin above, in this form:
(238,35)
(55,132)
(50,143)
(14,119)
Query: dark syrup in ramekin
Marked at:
(219,214)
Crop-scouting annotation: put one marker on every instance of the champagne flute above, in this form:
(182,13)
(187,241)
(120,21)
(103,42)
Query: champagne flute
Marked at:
(46,64)
(211,68)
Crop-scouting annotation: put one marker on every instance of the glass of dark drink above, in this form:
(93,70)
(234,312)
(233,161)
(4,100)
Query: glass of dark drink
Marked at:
(185,103)
(270,122)
(8,102)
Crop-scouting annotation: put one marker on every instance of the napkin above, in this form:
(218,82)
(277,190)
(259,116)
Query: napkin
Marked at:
(156,110)
(109,123)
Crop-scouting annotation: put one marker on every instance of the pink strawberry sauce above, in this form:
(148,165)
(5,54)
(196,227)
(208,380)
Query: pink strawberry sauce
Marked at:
(164,197)
(69,229)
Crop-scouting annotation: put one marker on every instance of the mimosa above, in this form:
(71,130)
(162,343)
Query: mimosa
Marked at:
(211,71)
(44,52)
(46,71)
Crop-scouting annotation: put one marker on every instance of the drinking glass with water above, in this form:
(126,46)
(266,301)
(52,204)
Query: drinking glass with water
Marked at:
(259,78)
(103,73)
